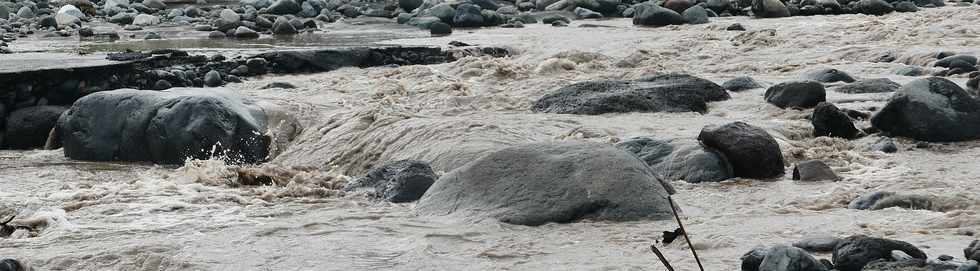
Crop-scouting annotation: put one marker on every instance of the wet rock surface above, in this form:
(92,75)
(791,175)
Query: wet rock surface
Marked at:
(556,185)
(752,152)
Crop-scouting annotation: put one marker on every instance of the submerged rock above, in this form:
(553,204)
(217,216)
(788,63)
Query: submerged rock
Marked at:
(664,93)
(796,94)
(741,83)
(828,120)
(930,109)
(680,159)
(876,85)
(818,244)
(853,253)
(164,126)
(28,128)
(559,182)
(827,75)
(399,181)
(752,152)
(814,171)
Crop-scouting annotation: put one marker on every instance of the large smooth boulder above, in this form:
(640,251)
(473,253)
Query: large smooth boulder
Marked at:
(653,15)
(930,109)
(164,126)
(28,127)
(468,15)
(827,75)
(769,9)
(796,94)
(828,120)
(283,7)
(662,93)
(752,152)
(398,181)
(787,258)
(695,15)
(876,85)
(678,159)
(559,182)
(853,253)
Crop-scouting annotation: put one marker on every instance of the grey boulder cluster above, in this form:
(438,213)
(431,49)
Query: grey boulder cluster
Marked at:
(853,253)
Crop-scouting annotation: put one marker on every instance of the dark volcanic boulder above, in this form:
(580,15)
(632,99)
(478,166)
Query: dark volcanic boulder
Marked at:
(468,15)
(963,62)
(769,9)
(796,94)
(659,93)
(678,6)
(551,182)
(828,120)
(752,152)
(853,253)
(930,109)
(876,85)
(409,5)
(741,83)
(972,252)
(827,75)
(814,171)
(28,128)
(164,126)
(753,259)
(679,159)
(874,7)
(653,15)
(695,15)
(598,97)
(283,7)
(399,181)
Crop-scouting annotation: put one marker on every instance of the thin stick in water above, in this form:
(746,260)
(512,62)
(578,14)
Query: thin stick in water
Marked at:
(684,231)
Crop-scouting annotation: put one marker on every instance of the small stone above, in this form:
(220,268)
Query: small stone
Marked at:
(735,27)
(241,70)
(282,85)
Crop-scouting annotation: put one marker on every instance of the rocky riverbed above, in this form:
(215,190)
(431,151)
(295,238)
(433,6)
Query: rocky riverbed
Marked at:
(784,141)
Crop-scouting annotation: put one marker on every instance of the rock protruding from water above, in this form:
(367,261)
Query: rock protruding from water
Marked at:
(814,171)
(752,152)
(653,15)
(741,83)
(678,159)
(972,252)
(561,182)
(398,181)
(827,75)
(164,127)
(818,243)
(853,253)
(662,93)
(28,128)
(780,258)
(931,109)
(876,85)
(796,94)
(769,9)
(828,120)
